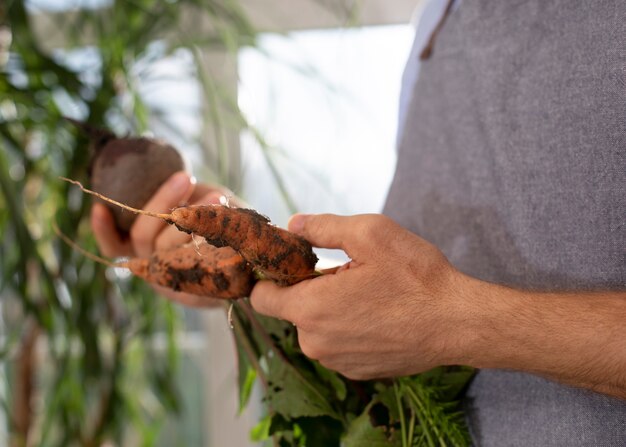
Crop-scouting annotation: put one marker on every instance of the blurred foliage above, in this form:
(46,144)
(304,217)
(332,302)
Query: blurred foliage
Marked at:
(77,348)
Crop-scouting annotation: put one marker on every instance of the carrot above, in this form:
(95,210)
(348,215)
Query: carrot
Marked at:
(201,269)
(204,270)
(279,255)
(275,253)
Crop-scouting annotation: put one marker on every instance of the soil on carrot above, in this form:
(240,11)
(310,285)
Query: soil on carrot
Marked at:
(202,270)
(278,254)
(178,278)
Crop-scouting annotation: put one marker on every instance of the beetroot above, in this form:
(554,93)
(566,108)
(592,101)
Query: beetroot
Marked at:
(129,169)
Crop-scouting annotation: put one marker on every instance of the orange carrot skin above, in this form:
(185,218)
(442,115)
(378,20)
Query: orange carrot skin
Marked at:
(278,254)
(204,270)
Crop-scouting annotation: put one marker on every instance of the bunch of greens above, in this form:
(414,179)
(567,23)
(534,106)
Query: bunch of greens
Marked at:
(309,405)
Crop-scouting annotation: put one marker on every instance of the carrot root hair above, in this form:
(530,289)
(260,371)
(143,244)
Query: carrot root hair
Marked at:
(84,252)
(166,217)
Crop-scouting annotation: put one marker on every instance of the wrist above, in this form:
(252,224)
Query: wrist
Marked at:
(574,338)
(483,318)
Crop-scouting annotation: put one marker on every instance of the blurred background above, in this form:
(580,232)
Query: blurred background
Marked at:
(292,105)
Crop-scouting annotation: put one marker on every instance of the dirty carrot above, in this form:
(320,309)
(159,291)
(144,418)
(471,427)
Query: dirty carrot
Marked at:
(204,270)
(201,269)
(277,254)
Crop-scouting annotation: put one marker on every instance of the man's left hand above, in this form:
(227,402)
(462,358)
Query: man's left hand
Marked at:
(394,309)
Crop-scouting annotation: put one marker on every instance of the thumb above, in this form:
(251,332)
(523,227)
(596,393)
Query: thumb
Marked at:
(348,233)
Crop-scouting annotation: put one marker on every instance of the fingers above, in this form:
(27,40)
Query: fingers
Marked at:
(200,191)
(109,239)
(229,198)
(352,234)
(187,299)
(269,299)
(174,191)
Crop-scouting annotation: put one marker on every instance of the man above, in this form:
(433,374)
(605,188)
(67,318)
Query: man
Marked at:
(504,241)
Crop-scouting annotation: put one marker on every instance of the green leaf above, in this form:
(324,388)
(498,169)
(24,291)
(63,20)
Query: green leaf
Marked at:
(439,422)
(333,379)
(322,431)
(455,381)
(361,433)
(386,396)
(291,395)
(261,431)
(281,332)
(246,383)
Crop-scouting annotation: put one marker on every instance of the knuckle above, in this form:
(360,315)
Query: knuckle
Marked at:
(306,317)
(371,227)
(259,301)
(430,267)
(266,299)
(362,227)
(384,225)
(261,306)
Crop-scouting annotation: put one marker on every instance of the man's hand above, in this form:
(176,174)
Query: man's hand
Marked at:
(148,233)
(391,311)
(400,308)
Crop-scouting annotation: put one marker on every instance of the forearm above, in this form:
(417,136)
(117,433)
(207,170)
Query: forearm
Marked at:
(576,338)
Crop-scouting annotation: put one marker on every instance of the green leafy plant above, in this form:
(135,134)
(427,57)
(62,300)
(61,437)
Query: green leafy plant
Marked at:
(75,344)
(309,405)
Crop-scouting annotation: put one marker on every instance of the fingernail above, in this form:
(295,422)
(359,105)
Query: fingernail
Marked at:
(179,183)
(296,223)
(216,199)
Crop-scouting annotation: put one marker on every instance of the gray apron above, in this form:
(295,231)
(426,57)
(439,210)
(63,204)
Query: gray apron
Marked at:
(512,160)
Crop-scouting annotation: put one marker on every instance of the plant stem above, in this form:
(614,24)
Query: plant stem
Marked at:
(258,327)
(244,339)
(411,427)
(426,420)
(401,415)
